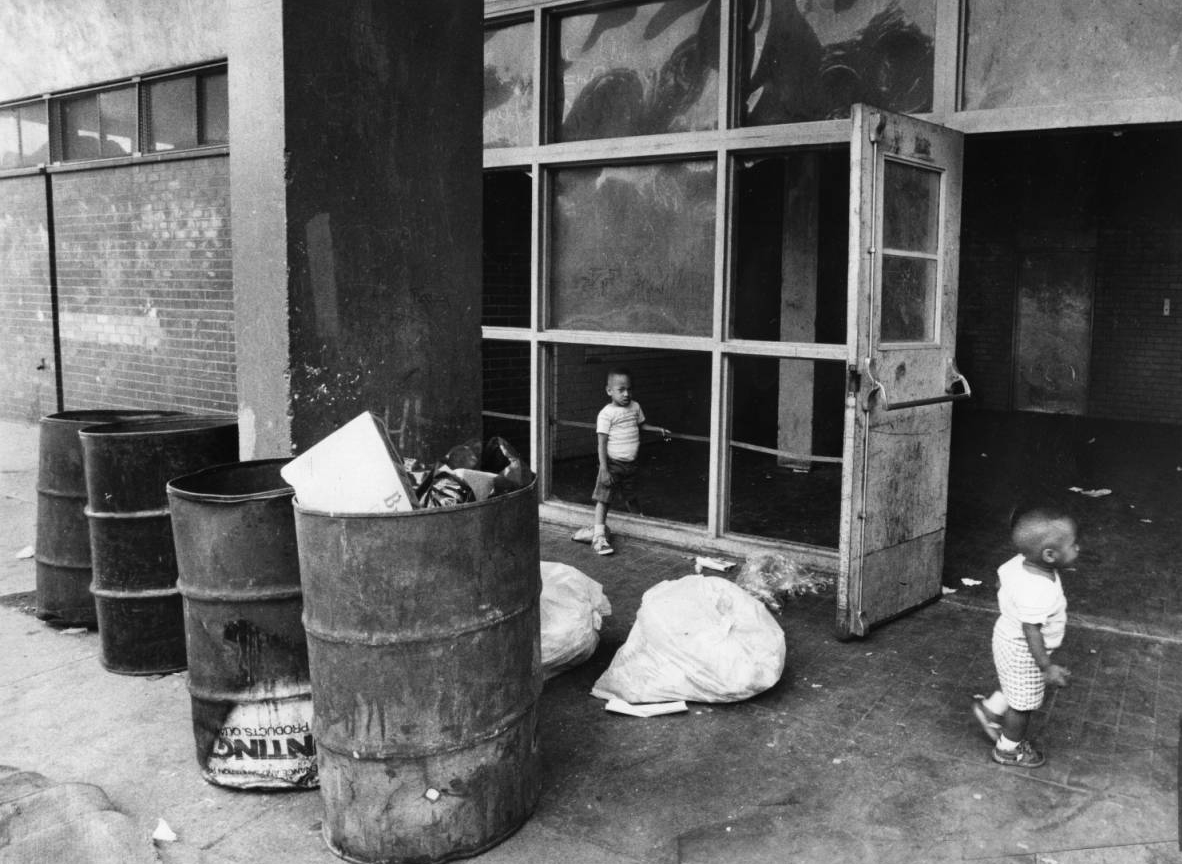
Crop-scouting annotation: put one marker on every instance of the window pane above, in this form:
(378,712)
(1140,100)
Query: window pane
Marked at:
(172,107)
(10,142)
(507,387)
(117,109)
(633,248)
(1045,53)
(908,299)
(507,215)
(784,414)
(34,134)
(673,390)
(215,109)
(806,60)
(80,136)
(638,70)
(508,86)
(790,240)
(911,208)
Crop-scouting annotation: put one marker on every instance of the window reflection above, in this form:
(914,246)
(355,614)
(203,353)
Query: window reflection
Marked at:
(812,59)
(638,70)
(214,108)
(117,119)
(10,141)
(633,248)
(34,134)
(172,108)
(80,128)
(508,86)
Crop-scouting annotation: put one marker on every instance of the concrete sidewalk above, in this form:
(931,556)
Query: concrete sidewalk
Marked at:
(864,752)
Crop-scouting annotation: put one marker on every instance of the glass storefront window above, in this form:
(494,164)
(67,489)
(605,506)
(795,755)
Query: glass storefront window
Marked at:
(790,237)
(673,390)
(1045,53)
(507,239)
(506,393)
(807,60)
(508,85)
(785,449)
(633,248)
(637,70)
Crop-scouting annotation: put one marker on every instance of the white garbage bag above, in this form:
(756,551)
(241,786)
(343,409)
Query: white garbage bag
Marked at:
(573,609)
(698,638)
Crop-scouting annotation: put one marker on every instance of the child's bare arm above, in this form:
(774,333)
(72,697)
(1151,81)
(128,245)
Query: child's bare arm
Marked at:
(649,427)
(1056,675)
(605,476)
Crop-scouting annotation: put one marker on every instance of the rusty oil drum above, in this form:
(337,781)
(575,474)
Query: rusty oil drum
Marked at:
(424,650)
(128,466)
(62,548)
(238,573)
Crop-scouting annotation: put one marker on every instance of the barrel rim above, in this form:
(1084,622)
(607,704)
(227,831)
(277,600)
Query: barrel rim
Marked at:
(421,512)
(140,428)
(95,416)
(178,491)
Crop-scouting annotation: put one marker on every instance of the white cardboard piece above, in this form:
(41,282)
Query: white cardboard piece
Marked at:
(356,469)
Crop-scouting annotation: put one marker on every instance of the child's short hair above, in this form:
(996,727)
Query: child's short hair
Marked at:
(1039,528)
(618,370)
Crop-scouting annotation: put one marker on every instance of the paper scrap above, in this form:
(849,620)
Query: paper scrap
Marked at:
(163,833)
(970,582)
(432,795)
(1090,493)
(944,589)
(647,709)
(706,563)
(26,552)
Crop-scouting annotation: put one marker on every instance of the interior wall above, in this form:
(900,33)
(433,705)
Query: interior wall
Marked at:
(1113,195)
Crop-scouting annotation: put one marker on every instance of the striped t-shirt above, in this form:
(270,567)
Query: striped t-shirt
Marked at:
(622,425)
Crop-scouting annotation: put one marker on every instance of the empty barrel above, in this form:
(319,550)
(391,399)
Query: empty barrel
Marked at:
(238,574)
(128,466)
(62,549)
(424,652)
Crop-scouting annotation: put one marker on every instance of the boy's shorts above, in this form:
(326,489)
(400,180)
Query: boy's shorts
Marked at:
(1021,680)
(623,486)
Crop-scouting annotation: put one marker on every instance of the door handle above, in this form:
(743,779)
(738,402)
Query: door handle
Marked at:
(951,393)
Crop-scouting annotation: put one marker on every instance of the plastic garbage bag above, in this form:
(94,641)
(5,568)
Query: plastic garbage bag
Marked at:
(573,609)
(699,638)
(770,577)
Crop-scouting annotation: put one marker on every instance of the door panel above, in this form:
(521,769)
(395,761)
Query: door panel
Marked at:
(905,182)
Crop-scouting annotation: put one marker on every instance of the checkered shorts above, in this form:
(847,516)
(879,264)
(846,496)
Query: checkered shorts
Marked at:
(1022,681)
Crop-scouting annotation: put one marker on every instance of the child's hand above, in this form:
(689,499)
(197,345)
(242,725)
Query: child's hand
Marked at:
(666,435)
(605,477)
(1057,675)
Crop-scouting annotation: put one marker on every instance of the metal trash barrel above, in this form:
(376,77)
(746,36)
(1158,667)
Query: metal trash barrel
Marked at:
(62,547)
(127,466)
(238,573)
(424,650)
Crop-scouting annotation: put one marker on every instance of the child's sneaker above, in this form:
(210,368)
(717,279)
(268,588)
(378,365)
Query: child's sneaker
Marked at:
(586,534)
(990,722)
(601,546)
(1022,756)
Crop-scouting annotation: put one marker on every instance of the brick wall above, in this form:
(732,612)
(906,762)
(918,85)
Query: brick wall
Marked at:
(145,291)
(27,386)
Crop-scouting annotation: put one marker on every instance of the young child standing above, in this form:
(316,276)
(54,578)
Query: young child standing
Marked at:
(618,429)
(1031,626)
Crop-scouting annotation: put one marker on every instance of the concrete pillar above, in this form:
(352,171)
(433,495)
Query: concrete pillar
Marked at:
(355,169)
(798,305)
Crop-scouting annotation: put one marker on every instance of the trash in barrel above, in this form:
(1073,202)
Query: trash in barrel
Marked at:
(62,548)
(423,643)
(128,466)
(238,573)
